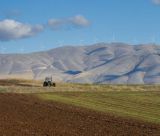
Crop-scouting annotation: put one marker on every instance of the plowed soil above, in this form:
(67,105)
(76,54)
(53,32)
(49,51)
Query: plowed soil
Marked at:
(26,115)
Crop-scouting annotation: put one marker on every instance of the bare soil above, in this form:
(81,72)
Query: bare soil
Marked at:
(26,115)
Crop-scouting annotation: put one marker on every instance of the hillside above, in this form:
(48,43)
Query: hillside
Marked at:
(99,63)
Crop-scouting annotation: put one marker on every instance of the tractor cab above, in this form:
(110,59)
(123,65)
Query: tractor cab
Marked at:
(48,82)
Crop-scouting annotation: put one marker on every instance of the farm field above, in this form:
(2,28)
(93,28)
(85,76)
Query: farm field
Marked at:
(139,105)
(26,108)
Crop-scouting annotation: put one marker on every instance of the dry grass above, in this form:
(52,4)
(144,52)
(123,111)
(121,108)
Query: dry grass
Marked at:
(31,86)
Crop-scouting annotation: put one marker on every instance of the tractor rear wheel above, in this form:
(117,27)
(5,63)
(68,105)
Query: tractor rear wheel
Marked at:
(45,84)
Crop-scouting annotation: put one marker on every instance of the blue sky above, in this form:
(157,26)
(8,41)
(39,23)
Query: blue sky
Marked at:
(33,25)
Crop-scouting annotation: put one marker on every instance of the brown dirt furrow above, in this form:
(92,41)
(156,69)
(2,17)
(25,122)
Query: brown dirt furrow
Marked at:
(26,115)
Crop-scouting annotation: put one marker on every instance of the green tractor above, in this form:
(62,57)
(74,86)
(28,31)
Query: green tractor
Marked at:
(48,82)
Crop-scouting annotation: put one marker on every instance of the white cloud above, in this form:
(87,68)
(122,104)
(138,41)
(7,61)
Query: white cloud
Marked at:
(12,30)
(79,20)
(76,21)
(157,2)
(56,23)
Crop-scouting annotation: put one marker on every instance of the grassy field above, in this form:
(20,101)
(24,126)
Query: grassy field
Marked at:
(138,105)
(135,101)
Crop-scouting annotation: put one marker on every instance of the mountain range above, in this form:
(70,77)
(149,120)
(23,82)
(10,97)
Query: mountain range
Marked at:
(115,63)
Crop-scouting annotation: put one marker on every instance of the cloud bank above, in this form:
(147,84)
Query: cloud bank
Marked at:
(12,30)
(157,2)
(77,21)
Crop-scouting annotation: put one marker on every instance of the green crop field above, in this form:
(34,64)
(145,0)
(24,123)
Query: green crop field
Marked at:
(139,105)
(135,101)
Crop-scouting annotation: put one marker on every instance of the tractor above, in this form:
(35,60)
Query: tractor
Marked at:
(48,82)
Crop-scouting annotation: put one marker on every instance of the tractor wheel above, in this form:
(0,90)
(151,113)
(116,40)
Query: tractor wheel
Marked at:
(45,84)
(54,84)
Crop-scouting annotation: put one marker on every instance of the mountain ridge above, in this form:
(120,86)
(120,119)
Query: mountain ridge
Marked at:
(117,63)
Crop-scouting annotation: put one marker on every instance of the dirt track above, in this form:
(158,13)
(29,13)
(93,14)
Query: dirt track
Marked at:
(25,115)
